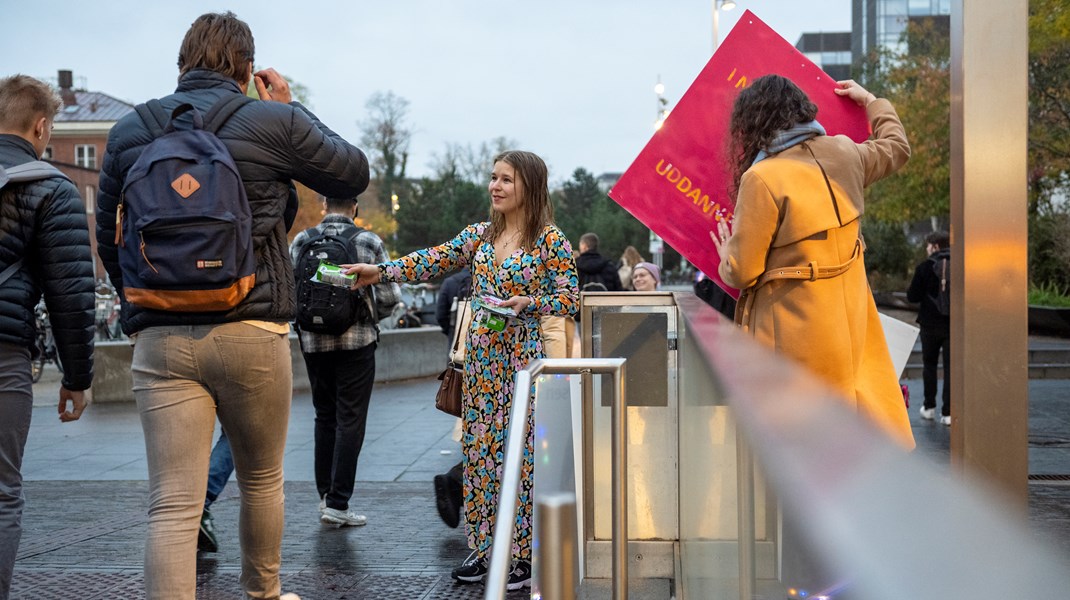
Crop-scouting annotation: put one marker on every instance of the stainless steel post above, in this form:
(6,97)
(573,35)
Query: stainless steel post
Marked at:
(745,515)
(620,487)
(555,525)
(501,549)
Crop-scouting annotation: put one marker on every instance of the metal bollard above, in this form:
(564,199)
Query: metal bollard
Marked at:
(557,553)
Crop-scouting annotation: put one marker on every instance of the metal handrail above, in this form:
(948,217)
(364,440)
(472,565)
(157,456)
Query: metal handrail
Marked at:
(501,550)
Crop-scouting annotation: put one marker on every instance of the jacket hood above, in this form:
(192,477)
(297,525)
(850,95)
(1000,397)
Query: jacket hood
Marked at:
(591,263)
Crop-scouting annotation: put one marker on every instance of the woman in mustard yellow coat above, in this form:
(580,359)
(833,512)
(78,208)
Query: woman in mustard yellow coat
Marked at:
(795,249)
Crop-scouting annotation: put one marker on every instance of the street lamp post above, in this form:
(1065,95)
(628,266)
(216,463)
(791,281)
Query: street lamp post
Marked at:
(718,6)
(662,106)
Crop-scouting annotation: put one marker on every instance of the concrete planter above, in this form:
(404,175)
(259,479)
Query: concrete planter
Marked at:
(402,354)
(1049,320)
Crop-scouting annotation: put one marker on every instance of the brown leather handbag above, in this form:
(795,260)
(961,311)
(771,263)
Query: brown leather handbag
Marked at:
(448,399)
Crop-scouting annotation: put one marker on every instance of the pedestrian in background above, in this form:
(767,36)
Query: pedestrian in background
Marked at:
(628,260)
(646,277)
(522,258)
(190,367)
(44,250)
(930,281)
(341,370)
(795,248)
(595,272)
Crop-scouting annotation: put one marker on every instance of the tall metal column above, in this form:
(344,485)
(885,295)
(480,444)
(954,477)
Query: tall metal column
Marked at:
(989,231)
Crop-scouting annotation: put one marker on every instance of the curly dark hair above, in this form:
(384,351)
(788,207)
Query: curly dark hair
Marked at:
(770,104)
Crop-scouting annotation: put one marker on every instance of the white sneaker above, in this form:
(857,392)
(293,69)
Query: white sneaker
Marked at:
(945,421)
(927,413)
(323,506)
(342,518)
(290,596)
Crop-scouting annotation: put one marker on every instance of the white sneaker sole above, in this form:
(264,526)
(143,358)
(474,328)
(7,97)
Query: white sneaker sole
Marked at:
(328,520)
(512,587)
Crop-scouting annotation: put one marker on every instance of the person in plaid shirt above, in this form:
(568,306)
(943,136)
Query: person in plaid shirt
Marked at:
(341,370)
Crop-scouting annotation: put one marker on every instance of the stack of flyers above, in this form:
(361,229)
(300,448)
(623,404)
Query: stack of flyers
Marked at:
(496,317)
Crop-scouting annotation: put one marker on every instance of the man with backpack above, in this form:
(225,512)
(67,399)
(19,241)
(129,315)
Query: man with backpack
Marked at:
(44,250)
(194,204)
(595,272)
(931,289)
(338,327)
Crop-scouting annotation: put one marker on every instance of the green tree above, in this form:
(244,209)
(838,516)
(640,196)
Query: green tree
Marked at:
(1049,102)
(917,82)
(437,210)
(580,206)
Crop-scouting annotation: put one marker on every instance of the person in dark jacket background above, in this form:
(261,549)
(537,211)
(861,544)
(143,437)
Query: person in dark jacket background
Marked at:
(594,270)
(44,238)
(935,327)
(188,368)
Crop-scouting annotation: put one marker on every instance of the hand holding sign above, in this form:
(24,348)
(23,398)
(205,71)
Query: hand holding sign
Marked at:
(678,186)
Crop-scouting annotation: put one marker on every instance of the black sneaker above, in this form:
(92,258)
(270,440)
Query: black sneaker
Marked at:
(447,500)
(206,540)
(520,576)
(472,570)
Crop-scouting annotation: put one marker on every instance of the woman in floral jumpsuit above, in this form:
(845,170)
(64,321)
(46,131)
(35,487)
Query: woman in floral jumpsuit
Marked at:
(521,257)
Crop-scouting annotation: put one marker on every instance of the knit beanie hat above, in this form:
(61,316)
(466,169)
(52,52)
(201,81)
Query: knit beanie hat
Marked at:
(653,269)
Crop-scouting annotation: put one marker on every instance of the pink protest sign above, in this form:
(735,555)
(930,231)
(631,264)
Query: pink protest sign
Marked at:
(678,185)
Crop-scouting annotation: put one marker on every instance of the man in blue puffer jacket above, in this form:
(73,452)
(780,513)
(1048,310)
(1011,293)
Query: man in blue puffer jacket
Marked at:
(190,367)
(43,225)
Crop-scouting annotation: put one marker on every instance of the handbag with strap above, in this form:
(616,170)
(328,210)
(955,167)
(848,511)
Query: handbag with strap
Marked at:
(461,327)
(449,397)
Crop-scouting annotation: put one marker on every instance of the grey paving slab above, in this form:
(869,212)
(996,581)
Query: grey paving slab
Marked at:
(87,498)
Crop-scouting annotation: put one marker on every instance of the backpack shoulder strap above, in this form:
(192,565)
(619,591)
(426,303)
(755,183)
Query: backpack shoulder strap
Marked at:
(153,116)
(8,272)
(217,116)
(31,171)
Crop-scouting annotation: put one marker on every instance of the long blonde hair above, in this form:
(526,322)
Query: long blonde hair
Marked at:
(538,209)
(631,256)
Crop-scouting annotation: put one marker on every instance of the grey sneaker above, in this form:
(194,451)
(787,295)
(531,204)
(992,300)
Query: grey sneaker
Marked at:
(342,518)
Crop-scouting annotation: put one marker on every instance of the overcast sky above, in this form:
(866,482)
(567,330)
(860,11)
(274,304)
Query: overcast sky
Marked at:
(571,80)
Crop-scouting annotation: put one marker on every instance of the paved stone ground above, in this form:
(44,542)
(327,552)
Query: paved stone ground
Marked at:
(86,490)
(84,524)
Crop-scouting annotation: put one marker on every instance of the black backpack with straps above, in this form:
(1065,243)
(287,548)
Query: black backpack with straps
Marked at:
(322,307)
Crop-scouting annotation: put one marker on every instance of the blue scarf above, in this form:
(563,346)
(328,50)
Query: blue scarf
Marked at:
(786,138)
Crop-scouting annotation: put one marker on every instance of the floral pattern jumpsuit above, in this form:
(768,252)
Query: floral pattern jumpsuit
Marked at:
(546,274)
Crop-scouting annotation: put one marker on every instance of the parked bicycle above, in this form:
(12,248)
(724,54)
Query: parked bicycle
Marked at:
(107,312)
(45,344)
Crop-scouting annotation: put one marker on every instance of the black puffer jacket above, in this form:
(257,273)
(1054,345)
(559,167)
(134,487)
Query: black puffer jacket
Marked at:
(592,268)
(272,143)
(44,223)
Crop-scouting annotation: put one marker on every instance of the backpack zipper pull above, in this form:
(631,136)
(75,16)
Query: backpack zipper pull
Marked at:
(119,222)
(145,256)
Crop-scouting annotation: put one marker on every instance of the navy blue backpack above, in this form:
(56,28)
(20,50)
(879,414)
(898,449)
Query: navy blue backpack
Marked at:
(184,230)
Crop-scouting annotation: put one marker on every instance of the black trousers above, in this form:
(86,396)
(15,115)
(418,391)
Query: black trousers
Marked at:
(341,391)
(932,342)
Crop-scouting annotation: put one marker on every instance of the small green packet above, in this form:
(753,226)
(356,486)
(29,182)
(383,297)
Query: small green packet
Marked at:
(494,322)
(494,317)
(332,275)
